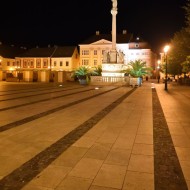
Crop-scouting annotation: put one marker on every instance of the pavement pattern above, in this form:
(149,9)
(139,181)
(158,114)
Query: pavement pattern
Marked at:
(73,137)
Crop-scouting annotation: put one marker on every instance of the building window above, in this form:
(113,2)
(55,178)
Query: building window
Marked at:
(38,63)
(95,52)
(85,62)
(54,63)
(95,62)
(25,63)
(18,63)
(31,64)
(8,63)
(61,63)
(67,63)
(136,45)
(45,63)
(85,52)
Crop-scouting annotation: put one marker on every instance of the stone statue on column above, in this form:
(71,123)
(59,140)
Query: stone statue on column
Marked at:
(120,58)
(114,4)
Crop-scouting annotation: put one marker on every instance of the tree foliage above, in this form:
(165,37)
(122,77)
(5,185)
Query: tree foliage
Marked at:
(187,15)
(97,71)
(138,68)
(180,47)
(186,65)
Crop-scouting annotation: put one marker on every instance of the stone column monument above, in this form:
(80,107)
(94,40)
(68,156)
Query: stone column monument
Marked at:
(113,61)
(113,53)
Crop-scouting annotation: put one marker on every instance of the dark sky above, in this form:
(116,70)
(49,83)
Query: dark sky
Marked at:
(69,22)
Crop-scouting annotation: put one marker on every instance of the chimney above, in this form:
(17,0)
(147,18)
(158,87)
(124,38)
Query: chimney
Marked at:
(124,31)
(97,33)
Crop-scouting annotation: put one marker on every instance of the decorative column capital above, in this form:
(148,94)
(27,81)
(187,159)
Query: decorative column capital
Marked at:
(114,12)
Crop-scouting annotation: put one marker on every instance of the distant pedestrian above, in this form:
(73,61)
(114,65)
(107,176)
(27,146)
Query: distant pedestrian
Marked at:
(146,78)
(158,78)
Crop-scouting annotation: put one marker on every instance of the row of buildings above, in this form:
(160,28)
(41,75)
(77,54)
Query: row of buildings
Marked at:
(57,63)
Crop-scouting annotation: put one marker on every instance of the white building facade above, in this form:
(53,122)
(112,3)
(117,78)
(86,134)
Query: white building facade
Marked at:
(92,50)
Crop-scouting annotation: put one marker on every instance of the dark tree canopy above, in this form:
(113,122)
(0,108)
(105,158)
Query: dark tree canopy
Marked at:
(180,47)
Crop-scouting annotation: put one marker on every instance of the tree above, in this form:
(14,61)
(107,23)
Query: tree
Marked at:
(180,46)
(187,15)
(186,65)
(180,50)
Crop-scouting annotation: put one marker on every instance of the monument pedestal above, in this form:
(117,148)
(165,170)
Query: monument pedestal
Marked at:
(113,56)
(112,69)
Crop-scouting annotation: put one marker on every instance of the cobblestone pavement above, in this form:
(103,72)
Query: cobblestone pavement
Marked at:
(72,137)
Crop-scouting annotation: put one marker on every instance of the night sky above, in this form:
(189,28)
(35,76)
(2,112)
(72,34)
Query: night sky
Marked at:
(69,22)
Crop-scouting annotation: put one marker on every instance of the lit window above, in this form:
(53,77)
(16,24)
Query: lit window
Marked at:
(45,63)
(31,64)
(25,63)
(85,62)
(85,52)
(38,63)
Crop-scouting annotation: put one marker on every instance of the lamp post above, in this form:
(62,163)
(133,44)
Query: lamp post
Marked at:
(166,48)
(158,71)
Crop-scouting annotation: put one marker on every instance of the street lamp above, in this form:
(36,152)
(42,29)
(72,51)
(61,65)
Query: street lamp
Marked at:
(158,70)
(166,48)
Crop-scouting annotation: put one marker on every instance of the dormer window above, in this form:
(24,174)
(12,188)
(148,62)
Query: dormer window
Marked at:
(136,45)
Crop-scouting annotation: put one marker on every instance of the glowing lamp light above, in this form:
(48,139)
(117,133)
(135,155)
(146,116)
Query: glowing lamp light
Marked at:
(166,48)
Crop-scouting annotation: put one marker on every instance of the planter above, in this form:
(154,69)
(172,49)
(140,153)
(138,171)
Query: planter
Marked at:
(139,81)
(83,81)
(136,81)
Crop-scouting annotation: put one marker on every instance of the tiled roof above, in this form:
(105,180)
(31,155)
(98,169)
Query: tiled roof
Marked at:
(10,51)
(120,38)
(38,52)
(65,51)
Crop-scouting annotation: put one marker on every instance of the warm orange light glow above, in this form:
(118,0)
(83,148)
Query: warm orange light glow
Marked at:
(11,69)
(166,48)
